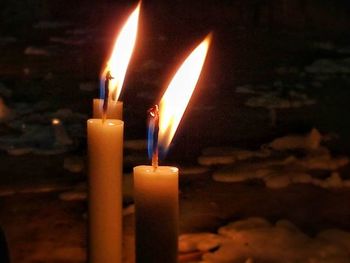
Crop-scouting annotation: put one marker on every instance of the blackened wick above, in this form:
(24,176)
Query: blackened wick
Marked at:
(105,101)
(154,122)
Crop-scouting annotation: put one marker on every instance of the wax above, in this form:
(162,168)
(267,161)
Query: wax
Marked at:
(105,150)
(114,110)
(156,213)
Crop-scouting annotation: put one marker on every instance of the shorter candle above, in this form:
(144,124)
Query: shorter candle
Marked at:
(114,110)
(156,187)
(105,151)
(156,213)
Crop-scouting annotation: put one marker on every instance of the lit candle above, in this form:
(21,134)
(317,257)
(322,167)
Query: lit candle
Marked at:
(112,76)
(156,187)
(105,151)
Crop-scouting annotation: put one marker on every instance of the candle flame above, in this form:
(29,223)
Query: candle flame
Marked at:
(175,99)
(121,54)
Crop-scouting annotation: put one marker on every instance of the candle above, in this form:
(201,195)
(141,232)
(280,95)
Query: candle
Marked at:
(156,187)
(156,199)
(112,76)
(105,151)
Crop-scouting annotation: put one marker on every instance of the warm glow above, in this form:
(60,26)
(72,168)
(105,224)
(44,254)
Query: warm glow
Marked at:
(55,121)
(4,111)
(176,97)
(120,57)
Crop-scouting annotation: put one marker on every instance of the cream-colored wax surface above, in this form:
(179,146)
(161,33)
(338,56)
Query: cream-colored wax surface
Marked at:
(156,214)
(105,151)
(114,110)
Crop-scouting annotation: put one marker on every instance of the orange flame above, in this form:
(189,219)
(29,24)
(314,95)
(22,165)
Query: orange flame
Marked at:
(176,97)
(121,54)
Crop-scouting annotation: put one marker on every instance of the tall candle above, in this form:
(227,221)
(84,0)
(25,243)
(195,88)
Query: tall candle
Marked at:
(156,187)
(156,213)
(105,151)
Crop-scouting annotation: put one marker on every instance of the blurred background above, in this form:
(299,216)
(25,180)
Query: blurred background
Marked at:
(275,67)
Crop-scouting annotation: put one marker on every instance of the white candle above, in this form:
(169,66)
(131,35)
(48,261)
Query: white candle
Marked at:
(156,213)
(105,151)
(114,110)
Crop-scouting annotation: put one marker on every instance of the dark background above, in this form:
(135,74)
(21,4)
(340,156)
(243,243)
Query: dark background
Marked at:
(251,40)
(260,43)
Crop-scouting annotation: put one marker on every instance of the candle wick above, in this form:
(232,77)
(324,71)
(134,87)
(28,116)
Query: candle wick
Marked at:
(155,160)
(105,100)
(154,114)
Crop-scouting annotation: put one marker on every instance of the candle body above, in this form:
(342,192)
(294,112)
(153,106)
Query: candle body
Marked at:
(105,150)
(114,110)
(156,214)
